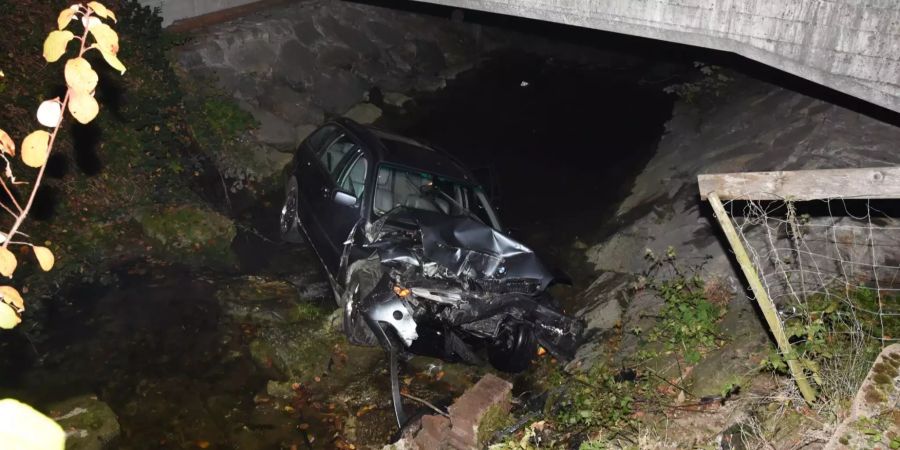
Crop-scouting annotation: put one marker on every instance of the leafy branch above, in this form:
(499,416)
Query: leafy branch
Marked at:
(81,83)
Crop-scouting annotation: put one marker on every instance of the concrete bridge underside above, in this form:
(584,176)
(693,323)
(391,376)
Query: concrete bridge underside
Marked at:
(852,46)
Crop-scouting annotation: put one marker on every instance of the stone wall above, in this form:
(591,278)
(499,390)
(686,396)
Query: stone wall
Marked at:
(754,126)
(294,66)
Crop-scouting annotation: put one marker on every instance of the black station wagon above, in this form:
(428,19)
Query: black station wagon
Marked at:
(416,255)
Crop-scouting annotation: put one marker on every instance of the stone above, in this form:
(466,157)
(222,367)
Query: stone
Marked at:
(294,107)
(255,56)
(273,130)
(396,99)
(262,301)
(338,90)
(878,402)
(280,389)
(433,433)
(192,234)
(389,36)
(296,64)
(734,364)
(472,419)
(302,132)
(90,424)
(356,40)
(429,58)
(337,57)
(468,410)
(364,113)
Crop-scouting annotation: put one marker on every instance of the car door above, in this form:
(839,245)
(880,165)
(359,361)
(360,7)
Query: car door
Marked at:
(332,216)
(310,176)
(346,207)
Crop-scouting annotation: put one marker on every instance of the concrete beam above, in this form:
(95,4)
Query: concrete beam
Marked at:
(172,10)
(852,46)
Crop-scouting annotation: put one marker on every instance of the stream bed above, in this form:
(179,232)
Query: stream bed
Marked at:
(187,357)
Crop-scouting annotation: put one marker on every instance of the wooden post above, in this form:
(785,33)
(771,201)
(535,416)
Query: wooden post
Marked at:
(765,303)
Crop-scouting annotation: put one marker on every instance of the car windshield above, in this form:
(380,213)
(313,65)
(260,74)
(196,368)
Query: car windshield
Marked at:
(396,187)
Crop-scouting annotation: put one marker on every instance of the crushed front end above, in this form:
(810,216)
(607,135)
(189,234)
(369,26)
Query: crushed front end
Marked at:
(452,285)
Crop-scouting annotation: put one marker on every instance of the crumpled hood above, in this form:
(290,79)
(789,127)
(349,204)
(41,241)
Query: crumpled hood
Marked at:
(469,248)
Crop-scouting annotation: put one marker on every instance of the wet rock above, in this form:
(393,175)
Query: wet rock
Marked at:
(90,424)
(296,64)
(364,113)
(273,130)
(254,56)
(189,234)
(733,365)
(875,406)
(295,352)
(295,107)
(337,57)
(260,300)
(280,389)
(429,58)
(396,99)
(338,90)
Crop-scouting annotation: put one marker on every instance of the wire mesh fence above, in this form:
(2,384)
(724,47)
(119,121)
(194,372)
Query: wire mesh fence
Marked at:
(829,269)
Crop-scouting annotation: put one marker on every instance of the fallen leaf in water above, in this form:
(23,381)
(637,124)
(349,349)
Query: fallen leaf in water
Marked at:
(303,426)
(362,411)
(202,444)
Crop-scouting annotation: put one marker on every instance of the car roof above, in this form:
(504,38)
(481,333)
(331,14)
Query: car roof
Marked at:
(402,151)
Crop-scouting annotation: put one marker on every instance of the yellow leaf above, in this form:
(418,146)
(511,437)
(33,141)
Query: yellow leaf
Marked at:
(21,427)
(49,113)
(45,257)
(34,148)
(8,320)
(10,295)
(83,106)
(55,45)
(7,262)
(7,145)
(113,61)
(107,39)
(80,76)
(65,16)
(101,11)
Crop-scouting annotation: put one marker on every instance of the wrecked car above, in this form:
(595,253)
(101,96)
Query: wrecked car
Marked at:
(416,255)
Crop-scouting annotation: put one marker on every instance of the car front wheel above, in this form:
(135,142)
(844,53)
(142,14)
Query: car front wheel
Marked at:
(289,220)
(513,349)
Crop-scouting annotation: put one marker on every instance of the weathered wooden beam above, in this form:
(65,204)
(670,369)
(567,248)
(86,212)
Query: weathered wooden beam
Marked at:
(800,185)
(770,313)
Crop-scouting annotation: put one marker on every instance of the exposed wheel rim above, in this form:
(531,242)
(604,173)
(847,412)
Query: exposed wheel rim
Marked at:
(289,211)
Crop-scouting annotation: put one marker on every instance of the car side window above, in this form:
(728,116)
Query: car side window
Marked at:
(335,153)
(354,181)
(320,138)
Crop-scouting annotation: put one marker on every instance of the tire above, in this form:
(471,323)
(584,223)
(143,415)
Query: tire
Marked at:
(513,349)
(289,221)
(362,278)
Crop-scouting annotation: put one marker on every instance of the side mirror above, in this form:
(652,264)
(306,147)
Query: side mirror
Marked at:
(345,199)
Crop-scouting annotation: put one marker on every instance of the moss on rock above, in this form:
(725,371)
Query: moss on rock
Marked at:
(190,233)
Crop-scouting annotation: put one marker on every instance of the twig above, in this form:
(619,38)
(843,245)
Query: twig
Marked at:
(426,403)
(40,175)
